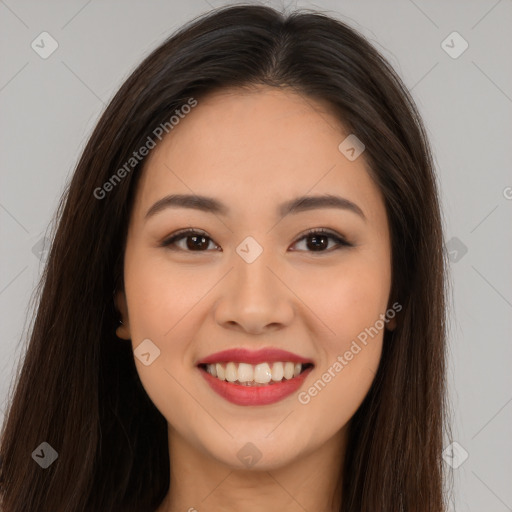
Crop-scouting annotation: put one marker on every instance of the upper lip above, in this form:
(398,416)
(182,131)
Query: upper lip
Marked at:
(264,355)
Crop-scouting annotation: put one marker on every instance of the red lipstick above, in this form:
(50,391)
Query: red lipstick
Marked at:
(254,395)
(264,355)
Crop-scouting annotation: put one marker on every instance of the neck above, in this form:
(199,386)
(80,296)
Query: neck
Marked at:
(200,483)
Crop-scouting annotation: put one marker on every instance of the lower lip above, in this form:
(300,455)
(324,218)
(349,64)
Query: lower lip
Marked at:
(255,395)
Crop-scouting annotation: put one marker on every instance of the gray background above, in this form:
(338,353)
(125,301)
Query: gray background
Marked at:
(49,107)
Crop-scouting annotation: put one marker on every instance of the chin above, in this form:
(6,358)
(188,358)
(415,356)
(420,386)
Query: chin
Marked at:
(256,453)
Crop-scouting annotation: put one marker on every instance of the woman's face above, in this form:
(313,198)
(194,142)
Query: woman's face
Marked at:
(256,281)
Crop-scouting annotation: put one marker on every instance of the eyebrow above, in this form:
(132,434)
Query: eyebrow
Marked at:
(212,205)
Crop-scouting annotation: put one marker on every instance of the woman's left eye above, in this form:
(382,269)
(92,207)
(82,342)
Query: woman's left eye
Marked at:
(199,241)
(320,237)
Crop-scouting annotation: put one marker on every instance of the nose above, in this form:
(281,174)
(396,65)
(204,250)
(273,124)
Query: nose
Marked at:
(254,297)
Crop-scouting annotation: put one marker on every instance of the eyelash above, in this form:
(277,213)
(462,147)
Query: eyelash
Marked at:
(341,242)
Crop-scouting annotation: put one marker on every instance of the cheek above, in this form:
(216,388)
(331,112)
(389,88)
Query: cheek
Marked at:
(350,356)
(339,388)
(161,303)
(347,299)
(160,295)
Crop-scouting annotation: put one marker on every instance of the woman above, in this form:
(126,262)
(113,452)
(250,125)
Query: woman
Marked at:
(244,302)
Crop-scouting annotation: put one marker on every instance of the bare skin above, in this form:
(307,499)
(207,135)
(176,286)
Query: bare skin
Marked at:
(253,150)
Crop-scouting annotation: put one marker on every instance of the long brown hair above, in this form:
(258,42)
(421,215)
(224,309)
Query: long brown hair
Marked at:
(78,388)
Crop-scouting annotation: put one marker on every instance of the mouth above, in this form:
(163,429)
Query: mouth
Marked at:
(255,375)
(255,385)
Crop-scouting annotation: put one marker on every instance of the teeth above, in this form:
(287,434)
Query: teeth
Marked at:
(277,372)
(231,372)
(253,375)
(212,370)
(245,372)
(262,373)
(288,370)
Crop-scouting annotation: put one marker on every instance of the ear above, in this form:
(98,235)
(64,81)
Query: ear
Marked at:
(123,331)
(391,324)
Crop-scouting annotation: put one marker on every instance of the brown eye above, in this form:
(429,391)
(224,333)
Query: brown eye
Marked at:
(195,241)
(317,240)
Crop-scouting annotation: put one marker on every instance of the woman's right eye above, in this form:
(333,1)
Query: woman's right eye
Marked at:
(199,241)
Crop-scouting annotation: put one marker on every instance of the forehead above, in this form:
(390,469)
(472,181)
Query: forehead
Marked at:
(251,147)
